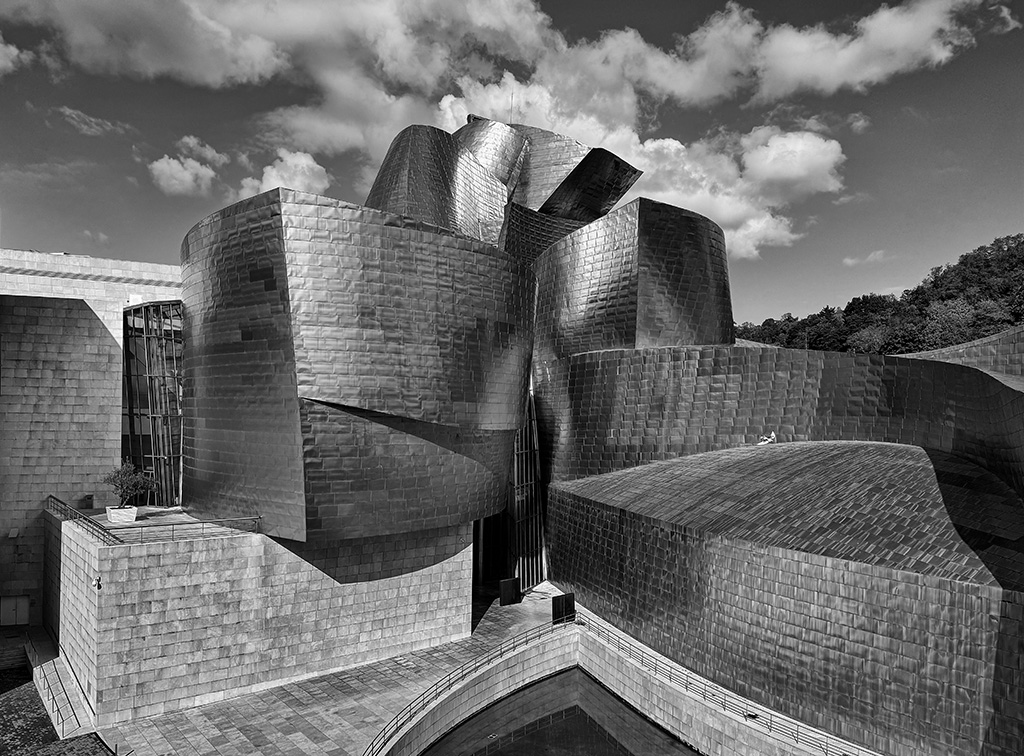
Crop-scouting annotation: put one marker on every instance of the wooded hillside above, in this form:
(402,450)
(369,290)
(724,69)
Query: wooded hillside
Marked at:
(981,294)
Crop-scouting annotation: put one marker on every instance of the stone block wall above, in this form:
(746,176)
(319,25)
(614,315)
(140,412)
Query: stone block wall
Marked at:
(60,407)
(183,623)
(60,391)
(80,564)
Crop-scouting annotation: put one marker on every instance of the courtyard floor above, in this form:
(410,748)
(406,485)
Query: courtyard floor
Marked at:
(336,714)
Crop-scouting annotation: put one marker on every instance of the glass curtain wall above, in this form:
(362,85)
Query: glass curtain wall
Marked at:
(151,418)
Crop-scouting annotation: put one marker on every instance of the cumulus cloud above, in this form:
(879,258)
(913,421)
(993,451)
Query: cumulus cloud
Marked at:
(380,65)
(292,170)
(182,176)
(11,57)
(192,146)
(890,41)
(88,125)
(875,257)
(180,39)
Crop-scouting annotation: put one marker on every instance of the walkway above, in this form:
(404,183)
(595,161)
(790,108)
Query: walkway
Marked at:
(332,715)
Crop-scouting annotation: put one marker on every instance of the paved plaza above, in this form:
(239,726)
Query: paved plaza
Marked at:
(331,715)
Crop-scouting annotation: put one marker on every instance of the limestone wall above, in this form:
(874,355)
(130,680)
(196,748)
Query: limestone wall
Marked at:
(181,623)
(60,391)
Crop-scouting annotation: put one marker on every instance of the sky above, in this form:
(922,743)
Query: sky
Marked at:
(844,147)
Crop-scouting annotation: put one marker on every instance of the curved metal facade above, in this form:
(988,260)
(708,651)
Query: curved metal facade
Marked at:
(646,274)
(331,351)
(864,588)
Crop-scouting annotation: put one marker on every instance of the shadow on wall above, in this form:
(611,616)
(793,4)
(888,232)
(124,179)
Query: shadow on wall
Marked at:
(995,532)
(358,560)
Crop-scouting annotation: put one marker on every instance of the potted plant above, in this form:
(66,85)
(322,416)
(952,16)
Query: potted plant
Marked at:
(128,482)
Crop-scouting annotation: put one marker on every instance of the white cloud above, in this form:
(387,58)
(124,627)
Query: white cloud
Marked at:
(858,123)
(879,255)
(11,57)
(177,38)
(292,170)
(88,125)
(376,66)
(890,41)
(786,167)
(194,147)
(182,176)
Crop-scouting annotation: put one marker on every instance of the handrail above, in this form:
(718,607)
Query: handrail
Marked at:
(57,709)
(714,694)
(772,721)
(184,530)
(65,512)
(457,675)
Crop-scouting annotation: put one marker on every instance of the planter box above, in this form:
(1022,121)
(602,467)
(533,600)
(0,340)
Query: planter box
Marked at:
(122,514)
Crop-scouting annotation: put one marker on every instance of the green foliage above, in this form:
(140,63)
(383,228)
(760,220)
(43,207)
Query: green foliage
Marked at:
(979,295)
(129,482)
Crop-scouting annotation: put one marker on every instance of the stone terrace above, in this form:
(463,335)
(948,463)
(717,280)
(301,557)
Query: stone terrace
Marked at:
(331,715)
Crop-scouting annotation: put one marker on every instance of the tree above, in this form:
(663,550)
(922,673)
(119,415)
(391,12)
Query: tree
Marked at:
(129,482)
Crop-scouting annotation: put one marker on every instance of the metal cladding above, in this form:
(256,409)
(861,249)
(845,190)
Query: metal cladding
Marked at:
(497,147)
(646,274)
(549,161)
(872,590)
(426,175)
(349,367)
(362,371)
(605,411)
(527,233)
(592,188)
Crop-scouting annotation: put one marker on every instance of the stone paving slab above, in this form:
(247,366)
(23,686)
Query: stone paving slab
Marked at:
(336,714)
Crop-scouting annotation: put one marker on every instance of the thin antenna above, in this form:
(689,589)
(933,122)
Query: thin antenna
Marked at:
(511,101)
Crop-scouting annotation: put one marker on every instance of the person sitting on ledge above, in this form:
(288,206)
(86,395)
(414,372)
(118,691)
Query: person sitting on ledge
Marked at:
(770,439)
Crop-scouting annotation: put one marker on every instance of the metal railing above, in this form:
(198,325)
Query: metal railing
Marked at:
(446,683)
(713,694)
(62,712)
(773,722)
(65,512)
(179,531)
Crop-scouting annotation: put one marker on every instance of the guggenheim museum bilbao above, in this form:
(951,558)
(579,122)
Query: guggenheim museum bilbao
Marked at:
(363,383)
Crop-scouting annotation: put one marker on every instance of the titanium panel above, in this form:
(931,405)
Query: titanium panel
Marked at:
(867,589)
(242,452)
(646,274)
(550,159)
(427,176)
(606,411)
(366,479)
(499,148)
(396,316)
(592,189)
(526,233)
(385,357)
